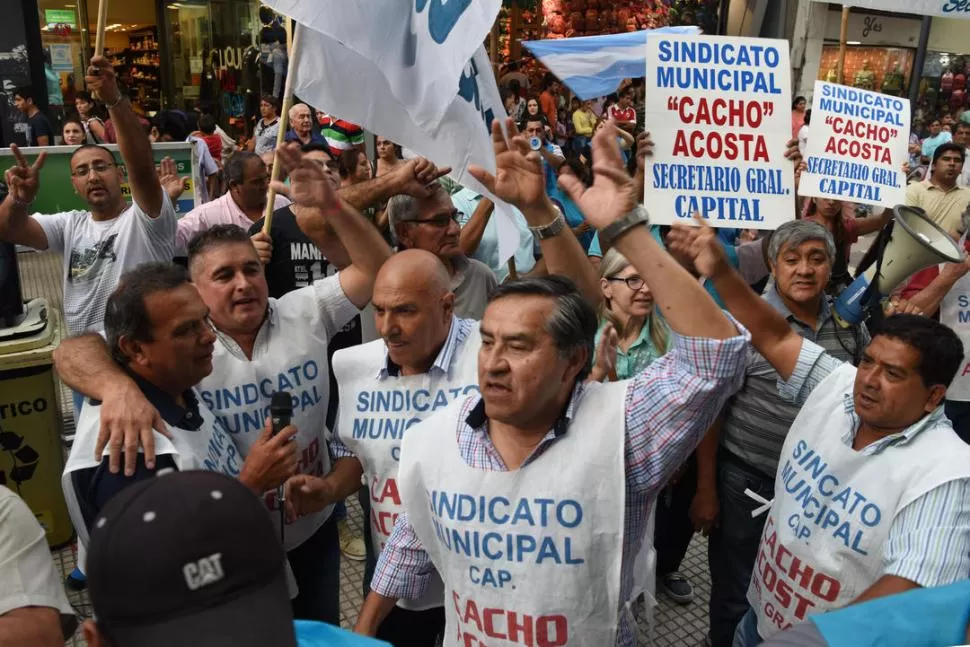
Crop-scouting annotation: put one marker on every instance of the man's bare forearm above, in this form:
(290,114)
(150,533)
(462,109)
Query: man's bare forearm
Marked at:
(136,151)
(770,334)
(474,229)
(85,365)
(16,226)
(685,304)
(364,244)
(564,255)
(371,192)
(376,607)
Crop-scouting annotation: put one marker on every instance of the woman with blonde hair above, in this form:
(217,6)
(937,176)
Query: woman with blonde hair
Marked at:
(631,335)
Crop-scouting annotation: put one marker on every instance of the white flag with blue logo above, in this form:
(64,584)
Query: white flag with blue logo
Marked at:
(420,46)
(355,79)
(594,66)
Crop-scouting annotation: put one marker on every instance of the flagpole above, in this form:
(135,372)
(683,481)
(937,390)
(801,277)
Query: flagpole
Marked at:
(99,35)
(843,36)
(292,45)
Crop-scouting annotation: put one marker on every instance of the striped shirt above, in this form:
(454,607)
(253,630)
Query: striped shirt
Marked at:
(929,539)
(457,334)
(757,419)
(668,408)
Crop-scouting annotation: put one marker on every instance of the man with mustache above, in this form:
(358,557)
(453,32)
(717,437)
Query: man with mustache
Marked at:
(264,346)
(872,492)
(157,330)
(100,244)
(741,450)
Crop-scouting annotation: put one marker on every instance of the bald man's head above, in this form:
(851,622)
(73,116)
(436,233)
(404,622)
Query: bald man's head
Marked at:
(413,308)
(301,119)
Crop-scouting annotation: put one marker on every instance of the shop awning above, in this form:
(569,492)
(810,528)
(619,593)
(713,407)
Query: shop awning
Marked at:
(594,66)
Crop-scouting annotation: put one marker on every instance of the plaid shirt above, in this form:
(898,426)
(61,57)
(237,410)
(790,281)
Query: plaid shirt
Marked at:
(669,407)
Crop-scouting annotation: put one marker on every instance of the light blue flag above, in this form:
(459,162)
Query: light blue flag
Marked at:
(594,66)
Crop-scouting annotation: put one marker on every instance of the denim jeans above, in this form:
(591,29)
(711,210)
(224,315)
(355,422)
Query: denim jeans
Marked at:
(746,634)
(733,545)
(316,567)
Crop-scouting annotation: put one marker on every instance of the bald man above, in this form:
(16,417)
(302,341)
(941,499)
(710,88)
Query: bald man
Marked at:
(301,126)
(426,358)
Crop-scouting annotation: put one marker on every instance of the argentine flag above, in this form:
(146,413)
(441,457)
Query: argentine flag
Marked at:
(594,66)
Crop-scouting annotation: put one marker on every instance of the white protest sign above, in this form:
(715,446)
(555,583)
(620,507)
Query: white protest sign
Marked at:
(945,8)
(718,110)
(857,143)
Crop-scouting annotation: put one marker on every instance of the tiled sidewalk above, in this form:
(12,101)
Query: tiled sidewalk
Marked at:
(680,626)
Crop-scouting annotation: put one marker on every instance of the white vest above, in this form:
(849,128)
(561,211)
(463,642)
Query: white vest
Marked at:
(209,448)
(531,556)
(374,415)
(955,313)
(824,540)
(239,392)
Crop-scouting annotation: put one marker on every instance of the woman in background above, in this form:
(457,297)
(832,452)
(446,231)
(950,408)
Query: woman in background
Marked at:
(89,111)
(73,132)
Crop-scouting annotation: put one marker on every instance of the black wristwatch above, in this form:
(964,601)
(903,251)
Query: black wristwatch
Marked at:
(610,233)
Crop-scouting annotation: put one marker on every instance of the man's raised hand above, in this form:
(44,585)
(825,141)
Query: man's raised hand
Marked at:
(416,176)
(23,179)
(518,177)
(699,244)
(613,193)
(309,186)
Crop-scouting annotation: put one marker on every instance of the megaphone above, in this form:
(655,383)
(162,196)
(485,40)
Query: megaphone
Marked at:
(916,243)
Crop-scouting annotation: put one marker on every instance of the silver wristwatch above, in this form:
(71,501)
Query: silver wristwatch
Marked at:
(638,216)
(554,228)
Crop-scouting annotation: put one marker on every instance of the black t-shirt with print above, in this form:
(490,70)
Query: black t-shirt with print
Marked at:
(296,263)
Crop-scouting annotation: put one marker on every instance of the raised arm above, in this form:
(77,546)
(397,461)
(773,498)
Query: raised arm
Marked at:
(412,178)
(685,305)
(135,147)
(474,229)
(770,333)
(320,205)
(127,418)
(519,180)
(928,299)
(23,182)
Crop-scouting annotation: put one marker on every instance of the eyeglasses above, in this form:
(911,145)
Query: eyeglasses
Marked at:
(99,167)
(633,282)
(440,221)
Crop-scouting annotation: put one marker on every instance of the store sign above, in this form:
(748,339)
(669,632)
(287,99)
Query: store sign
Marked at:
(871,29)
(61,59)
(719,111)
(944,8)
(60,17)
(857,144)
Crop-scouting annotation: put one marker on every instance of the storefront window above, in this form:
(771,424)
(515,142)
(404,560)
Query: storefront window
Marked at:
(884,69)
(190,39)
(943,86)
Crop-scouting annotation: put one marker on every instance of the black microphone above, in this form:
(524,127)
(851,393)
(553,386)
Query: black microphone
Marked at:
(280,412)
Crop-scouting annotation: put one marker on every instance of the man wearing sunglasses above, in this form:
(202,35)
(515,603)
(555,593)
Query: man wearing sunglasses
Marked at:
(431,223)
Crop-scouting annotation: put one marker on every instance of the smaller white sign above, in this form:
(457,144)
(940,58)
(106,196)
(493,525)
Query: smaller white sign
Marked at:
(857,143)
(61,60)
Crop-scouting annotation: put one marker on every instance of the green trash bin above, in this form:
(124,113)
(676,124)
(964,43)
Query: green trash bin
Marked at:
(31,454)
